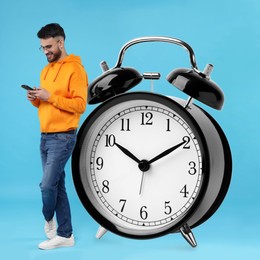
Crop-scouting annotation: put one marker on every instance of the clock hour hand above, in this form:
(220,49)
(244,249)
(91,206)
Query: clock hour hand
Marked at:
(128,153)
(166,152)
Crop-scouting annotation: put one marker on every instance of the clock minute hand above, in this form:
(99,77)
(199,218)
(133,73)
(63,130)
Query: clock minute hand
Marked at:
(166,152)
(128,153)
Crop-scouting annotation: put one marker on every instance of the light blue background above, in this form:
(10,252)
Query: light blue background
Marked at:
(225,33)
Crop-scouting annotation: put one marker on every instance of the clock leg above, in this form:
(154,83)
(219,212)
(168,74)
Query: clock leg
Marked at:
(188,235)
(101,232)
(188,103)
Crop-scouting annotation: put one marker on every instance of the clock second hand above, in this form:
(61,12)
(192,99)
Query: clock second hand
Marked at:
(140,190)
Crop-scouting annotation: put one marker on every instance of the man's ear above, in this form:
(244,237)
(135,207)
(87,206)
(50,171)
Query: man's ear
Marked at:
(61,44)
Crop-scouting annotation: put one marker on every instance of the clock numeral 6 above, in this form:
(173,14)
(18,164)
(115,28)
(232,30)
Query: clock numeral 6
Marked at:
(143,213)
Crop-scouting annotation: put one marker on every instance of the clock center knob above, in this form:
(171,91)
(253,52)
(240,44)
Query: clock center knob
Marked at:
(144,165)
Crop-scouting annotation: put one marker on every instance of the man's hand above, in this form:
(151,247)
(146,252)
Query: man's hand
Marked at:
(39,93)
(30,96)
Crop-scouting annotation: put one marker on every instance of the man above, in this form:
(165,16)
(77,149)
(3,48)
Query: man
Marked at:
(60,100)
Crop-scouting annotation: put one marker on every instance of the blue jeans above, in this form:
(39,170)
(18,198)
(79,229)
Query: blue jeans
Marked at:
(56,149)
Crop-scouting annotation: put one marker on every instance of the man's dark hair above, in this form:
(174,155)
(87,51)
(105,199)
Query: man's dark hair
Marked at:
(51,30)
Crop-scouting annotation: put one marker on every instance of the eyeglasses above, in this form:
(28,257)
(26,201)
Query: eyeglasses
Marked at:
(47,47)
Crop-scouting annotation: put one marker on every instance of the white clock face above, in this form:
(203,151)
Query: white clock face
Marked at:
(149,196)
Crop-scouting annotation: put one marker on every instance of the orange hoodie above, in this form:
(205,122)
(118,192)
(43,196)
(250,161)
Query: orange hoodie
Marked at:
(67,81)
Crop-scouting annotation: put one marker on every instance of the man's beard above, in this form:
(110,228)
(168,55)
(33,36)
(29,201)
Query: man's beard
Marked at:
(52,57)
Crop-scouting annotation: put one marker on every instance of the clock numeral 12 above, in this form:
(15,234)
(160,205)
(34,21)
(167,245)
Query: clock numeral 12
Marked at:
(147,118)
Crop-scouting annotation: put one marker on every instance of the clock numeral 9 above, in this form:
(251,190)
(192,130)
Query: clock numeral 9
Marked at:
(100,163)
(110,140)
(147,118)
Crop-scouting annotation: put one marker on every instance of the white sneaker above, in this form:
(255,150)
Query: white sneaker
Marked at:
(57,242)
(50,229)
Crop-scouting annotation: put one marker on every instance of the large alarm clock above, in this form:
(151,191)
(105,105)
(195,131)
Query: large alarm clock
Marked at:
(147,165)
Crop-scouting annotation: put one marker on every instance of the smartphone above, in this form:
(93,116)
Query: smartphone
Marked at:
(26,87)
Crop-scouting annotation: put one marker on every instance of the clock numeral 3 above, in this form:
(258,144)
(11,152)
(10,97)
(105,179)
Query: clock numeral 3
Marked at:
(192,169)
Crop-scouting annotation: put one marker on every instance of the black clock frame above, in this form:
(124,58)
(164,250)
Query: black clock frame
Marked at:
(173,105)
